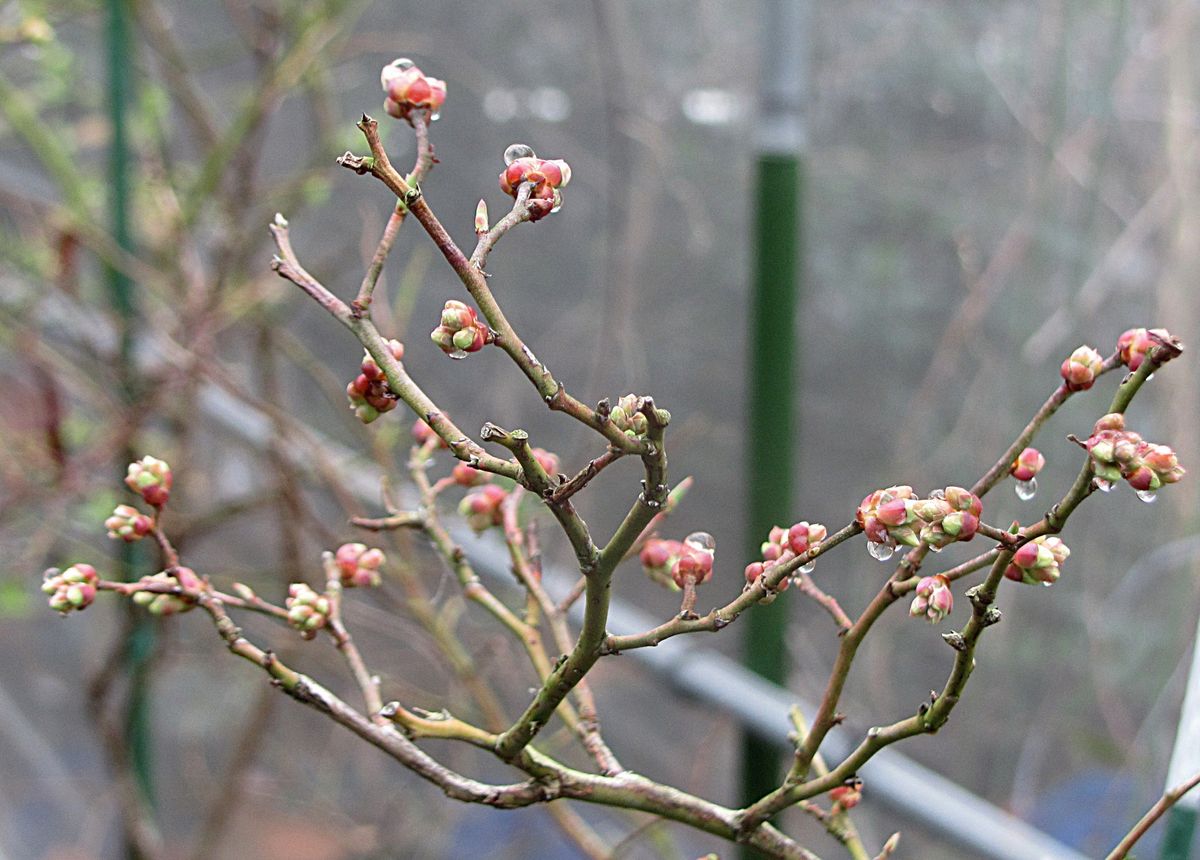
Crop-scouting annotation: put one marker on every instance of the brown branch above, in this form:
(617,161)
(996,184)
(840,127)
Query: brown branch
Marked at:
(1155,812)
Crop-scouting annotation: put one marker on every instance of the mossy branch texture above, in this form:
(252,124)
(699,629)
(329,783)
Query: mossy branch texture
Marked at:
(512,489)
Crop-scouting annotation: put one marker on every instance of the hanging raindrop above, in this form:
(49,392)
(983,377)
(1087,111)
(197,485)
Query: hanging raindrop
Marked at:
(518,150)
(808,568)
(880,551)
(935,548)
(702,541)
(1103,484)
(457,353)
(1026,490)
(435,116)
(1147,496)
(1148,378)
(938,494)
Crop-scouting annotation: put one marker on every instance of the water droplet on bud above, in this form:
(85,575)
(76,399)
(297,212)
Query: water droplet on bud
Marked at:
(1148,378)
(403,63)
(1103,485)
(1147,496)
(1026,490)
(435,116)
(935,548)
(555,208)
(938,494)
(880,551)
(702,541)
(808,568)
(457,353)
(518,150)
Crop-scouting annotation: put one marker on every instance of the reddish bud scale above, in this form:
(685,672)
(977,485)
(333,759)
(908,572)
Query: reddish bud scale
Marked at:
(933,599)
(1038,561)
(886,516)
(423,434)
(692,565)
(128,524)
(407,89)
(160,604)
(1027,465)
(548,177)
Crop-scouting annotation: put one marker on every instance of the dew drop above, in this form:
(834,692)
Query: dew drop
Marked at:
(457,353)
(1047,584)
(1103,485)
(938,494)
(435,116)
(808,568)
(403,63)
(702,541)
(1026,490)
(555,208)
(1148,378)
(1147,496)
(935,548)
(880,551)
(518,150)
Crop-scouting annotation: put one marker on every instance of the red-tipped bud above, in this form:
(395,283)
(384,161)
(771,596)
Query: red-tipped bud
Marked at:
(1136,342)
(693,565)
(408,89)
(1081,367)
(128,524)
(423,435)
(481,507)
(1028,463)
(150,478)
(358,566)
(547,460)
(933,599)
(70,589)
(1038,561)
(846,796)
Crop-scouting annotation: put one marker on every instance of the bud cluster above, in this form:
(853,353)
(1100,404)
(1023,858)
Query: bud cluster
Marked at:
(1119,453)
(150,478)
(782,545)
(1081,368)
(1038,561)
(307,611)
(358,566)
(628,418)
(675,562)
(846,796)
(897,516)
(933,599)
(368,392)
(949,515)
(156,603)
(409,89)
(73,588)
(1136,342)
(547,175)
(481,507)
(129,524)
(460,331)
(1027,465)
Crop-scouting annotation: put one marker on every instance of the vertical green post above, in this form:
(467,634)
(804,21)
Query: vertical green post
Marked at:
(771,435)
(121,297)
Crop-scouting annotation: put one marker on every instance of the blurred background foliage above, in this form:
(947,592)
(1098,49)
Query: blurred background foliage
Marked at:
(989,185)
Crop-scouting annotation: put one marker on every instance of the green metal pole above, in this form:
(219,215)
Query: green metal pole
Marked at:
(122,300)
(1185,762)
(771,431)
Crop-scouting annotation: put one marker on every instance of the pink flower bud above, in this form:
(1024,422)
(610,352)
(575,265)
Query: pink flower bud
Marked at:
(1028,463)
(1038,561)
(1136,342)
(468,476)
(128,524)
(933,599)
(481,507)
(753,571)
(423,434)
(1080,369)
(186,585)
(408,89)
(692,565)
(150,478)
(70,589)
(847,795)
(358,566)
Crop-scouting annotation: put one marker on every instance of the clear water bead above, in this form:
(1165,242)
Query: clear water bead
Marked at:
(938,494)
(435,116)
(1026,490)
(702,541)
(808,568)
(403,63)
(1148,378)
(880,551)
(935,548)
(457,353)
(1103,485)
(1147,496)
(518,150)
